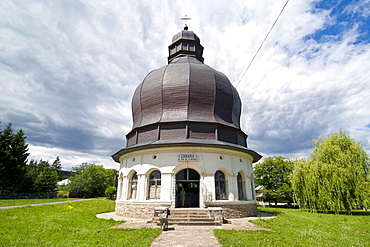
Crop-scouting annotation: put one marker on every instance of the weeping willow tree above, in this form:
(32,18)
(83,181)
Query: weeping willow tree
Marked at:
(335,177)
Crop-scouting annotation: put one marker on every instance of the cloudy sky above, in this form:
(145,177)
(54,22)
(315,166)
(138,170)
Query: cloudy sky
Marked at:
(68,69)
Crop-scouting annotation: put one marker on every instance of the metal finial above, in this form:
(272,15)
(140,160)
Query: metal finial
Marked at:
(185,19)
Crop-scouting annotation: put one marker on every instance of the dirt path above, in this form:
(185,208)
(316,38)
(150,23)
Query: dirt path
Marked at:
(46,203)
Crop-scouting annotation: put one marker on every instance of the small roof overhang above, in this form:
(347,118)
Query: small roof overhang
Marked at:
(187,143)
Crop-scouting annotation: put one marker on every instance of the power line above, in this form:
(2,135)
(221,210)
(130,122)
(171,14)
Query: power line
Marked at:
(262,43)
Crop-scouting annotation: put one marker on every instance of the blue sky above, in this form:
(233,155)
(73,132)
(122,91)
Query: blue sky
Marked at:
(345,15)
(68,69)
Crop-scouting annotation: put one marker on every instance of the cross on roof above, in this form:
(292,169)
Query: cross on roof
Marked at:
(185,19)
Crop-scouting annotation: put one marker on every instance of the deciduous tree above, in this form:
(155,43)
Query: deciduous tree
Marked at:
(110,191)
(91,179)
(335,177)
(273,173)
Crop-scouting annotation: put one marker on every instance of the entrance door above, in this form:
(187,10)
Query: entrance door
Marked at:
(187,179)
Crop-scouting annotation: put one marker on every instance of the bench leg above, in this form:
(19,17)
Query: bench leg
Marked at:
(164,226)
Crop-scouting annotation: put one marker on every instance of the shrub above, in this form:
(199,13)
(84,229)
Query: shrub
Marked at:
(110,191)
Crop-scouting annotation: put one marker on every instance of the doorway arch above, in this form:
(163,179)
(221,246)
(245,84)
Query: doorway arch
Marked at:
(189,180)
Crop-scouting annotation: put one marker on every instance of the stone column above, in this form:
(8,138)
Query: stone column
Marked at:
(119,189)
(125,187)
(249,188)
(141,187)
(166,186)
(233,187)
(253,188)
(209,184)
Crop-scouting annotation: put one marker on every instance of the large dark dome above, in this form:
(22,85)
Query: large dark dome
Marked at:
(186,90)
(186,103)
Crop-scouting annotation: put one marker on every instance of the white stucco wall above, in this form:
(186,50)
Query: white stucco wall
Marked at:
(209,160)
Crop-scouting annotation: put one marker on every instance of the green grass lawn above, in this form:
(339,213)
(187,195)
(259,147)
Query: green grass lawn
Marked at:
(293,227)
(69,224)
(17,202)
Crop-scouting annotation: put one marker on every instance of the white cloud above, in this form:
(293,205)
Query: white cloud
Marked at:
(69,158)
(68,70)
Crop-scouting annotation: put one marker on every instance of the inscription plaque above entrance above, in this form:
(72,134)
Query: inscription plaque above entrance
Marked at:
(188,157)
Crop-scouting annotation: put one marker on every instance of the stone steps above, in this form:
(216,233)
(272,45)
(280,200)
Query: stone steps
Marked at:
(191,217)
(194,223)
(184,217)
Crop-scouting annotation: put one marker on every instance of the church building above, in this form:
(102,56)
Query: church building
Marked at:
(186,136)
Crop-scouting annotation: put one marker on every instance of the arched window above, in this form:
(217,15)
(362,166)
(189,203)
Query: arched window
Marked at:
(133,186)
(154,185)
(220,185)
(187,175)
(241,193)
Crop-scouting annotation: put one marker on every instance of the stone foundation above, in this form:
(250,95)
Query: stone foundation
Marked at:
(141,210)
(235,209)
(216,214)
(145,210)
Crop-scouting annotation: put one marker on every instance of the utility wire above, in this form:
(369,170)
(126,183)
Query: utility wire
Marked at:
(262,43)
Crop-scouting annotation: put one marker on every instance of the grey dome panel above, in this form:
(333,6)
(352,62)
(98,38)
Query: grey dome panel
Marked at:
(136,107)
(175,93)
(237,104)
(224,99)
(201,93)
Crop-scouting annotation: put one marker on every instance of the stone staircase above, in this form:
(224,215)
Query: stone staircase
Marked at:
(192,217)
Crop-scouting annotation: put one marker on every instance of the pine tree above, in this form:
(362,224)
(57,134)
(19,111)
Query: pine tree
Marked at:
(57,166)
(13,160)
(44,177)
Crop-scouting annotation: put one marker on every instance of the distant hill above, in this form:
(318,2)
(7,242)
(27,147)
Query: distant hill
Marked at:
(66,174)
